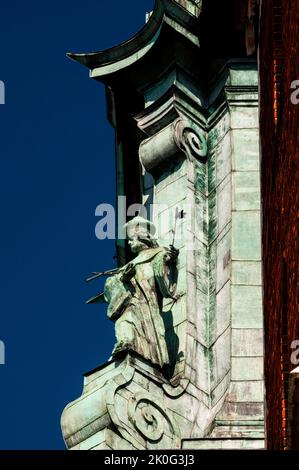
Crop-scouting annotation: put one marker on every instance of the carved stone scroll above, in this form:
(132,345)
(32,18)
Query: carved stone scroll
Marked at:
(180,136)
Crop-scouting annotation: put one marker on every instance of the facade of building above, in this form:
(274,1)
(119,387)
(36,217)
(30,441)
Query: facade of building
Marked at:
(182,95)
(279,124)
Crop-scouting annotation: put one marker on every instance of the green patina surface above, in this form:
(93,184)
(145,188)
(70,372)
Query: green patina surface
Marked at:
(135,295)
(207,340)
(246,243)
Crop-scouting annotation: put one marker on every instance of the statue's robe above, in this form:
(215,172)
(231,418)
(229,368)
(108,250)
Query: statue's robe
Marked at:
(136,305)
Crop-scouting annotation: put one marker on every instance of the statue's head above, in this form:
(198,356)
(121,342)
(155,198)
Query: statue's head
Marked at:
(141,234)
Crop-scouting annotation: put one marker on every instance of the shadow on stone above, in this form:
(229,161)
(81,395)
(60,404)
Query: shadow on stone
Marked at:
(172,343)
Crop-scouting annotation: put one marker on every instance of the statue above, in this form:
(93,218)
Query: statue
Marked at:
(135,294)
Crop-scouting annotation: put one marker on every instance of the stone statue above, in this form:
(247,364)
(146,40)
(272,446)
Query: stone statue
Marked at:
(135,294)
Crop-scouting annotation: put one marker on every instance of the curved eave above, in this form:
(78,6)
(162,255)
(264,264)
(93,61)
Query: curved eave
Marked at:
(118,57)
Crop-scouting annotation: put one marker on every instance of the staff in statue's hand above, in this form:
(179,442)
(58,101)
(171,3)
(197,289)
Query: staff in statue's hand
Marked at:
(95,275)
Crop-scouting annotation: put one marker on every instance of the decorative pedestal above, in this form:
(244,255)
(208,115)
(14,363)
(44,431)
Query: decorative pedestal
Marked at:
(127,404)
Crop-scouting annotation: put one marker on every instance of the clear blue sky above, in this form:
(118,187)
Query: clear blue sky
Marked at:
(57,165)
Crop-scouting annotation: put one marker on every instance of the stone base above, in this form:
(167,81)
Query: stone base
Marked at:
(122,407)
(128,404)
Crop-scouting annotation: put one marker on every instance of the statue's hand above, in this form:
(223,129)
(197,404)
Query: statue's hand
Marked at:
(172,254)
(128,272)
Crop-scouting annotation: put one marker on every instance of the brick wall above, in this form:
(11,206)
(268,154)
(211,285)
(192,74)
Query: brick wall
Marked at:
(279,121)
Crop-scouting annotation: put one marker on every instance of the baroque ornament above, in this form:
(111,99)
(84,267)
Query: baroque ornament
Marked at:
(190,139)
(151,419)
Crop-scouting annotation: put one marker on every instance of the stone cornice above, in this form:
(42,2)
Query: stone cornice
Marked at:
(179,15)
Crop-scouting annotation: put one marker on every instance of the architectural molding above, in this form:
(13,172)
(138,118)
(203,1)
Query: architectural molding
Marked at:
(182,135)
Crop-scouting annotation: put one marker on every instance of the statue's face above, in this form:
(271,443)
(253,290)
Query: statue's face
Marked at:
(137,245)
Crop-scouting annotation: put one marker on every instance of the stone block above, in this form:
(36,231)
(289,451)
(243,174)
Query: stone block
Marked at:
(223,260)
(98,377)
(190,372)
(212,262)
(200,218)
(202,268)
(223,312)
(212,226)
(247,368)
(202,367)
(166,238)
(219,131)
(223,157)
(202,317)
(191,301)
(114,441)
(247,429)
(249,391)
(156,391)
(200,177)
(171,195)
(220,358)
(171,175)
(182,280)
(220,390)
(244,117)
(164,209)
(242,411)
(224,204)
(246,236)
(211,172)
(246,191)
(247,342)
(239,77)
(186,407)
(184,424)
(254,443)
(104,446)
(125,394)
(141,380)
(246,307)
(134,387)
(247,273)
(93,441)
(245,155)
